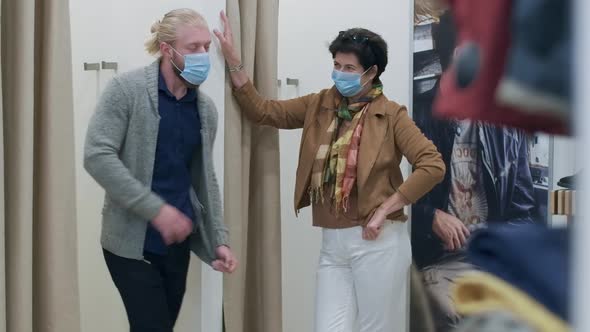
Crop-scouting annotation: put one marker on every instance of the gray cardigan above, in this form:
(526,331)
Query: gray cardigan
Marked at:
(119,154)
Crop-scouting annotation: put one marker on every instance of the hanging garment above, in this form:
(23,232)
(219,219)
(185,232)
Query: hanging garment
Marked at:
(538,75)
(530,257)
(468,87)
(480,293)
(421,319)
(493,322)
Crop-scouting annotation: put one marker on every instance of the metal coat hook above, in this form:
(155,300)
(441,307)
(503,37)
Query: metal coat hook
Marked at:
(293,81)
(91,66)
(110,65)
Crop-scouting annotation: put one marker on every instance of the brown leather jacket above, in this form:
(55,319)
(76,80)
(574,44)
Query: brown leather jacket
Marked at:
(389,134)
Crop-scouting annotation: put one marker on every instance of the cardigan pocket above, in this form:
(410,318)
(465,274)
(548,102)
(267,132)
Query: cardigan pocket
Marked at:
(198,208)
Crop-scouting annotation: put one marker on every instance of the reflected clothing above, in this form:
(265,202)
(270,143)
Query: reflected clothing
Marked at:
(507,179)
(467,201)
(439,281)
(506,184)
(421,319)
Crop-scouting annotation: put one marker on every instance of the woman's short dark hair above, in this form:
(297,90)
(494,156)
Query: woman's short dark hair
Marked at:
(369,48)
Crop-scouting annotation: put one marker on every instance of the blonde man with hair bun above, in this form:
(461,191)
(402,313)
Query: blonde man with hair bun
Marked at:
(149,145)
(165,30)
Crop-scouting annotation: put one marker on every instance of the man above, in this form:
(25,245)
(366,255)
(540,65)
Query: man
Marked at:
(149,145)
(488,180)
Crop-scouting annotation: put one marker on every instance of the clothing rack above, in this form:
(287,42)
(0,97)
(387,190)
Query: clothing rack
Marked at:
(580,292)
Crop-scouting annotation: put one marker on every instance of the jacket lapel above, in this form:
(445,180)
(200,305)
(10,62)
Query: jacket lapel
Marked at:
(374,133)
(204,112)
(311,141)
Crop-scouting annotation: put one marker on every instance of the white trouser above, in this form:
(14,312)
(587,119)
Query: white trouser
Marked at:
(362,285)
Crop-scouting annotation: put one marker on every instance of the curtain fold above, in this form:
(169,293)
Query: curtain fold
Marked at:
(252,297)
(2,190)
(38,241)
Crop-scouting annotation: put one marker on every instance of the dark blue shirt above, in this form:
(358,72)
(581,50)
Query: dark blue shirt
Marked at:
(179,136)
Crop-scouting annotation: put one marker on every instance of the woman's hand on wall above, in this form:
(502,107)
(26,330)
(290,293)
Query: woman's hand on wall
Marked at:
(226,40)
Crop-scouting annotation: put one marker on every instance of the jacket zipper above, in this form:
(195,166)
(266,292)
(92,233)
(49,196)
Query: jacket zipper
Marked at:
(485,162)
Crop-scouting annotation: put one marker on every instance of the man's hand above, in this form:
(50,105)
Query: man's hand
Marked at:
(172,224)
(226,261)
(450,230)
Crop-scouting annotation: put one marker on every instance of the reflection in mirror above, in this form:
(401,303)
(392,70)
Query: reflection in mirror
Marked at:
(495,175)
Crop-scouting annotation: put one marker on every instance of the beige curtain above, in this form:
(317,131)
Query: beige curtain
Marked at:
(252,297)
(38,255)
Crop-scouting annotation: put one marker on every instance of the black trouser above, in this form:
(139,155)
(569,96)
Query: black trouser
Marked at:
(152,290)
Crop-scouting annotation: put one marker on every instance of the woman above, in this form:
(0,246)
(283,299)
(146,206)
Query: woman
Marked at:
(353,141)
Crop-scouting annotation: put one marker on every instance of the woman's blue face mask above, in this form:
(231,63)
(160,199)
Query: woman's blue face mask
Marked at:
(348,84)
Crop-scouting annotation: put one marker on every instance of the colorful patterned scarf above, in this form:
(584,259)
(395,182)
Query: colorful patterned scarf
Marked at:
(334,169)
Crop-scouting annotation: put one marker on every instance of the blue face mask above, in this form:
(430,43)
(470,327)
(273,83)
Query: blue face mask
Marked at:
(196,67)
(348,84)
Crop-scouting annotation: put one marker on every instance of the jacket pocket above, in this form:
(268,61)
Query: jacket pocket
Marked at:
(107,206)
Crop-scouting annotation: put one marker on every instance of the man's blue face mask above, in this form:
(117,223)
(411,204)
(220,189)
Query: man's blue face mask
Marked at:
(196,67)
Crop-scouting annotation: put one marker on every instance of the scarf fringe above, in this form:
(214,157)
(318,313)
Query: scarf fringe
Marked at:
(346,203)
(316,195)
